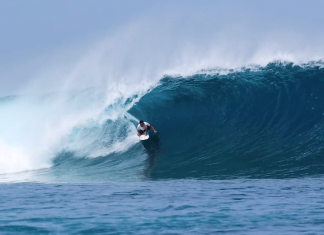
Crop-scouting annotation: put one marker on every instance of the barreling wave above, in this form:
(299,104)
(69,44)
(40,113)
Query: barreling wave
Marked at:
(264,122)
(256,122)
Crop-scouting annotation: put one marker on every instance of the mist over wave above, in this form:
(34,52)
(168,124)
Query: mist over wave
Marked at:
(166,38)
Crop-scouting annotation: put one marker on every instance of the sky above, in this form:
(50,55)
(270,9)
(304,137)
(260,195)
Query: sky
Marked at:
(45,44)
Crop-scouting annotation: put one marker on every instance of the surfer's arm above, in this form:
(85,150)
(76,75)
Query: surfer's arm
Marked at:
(138,133)
(153,128)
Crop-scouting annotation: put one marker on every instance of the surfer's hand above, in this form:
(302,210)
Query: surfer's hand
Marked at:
(155,131)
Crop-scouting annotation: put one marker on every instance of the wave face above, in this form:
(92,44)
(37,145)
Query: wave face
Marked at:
(264,122)
(256,122)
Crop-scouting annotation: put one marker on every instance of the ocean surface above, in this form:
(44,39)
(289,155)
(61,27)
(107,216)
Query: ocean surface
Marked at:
(236,152)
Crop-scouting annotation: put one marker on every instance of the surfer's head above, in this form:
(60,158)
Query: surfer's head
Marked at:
(141,123)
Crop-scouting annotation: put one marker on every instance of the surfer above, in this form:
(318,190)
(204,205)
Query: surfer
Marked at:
(144,127)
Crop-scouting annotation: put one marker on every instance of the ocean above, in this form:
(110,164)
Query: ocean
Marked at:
(237,151)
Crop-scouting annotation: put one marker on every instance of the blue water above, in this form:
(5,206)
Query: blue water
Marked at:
(237,152)
(263,206)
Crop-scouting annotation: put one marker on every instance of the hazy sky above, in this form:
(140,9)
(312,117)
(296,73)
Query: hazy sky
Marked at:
(155,36)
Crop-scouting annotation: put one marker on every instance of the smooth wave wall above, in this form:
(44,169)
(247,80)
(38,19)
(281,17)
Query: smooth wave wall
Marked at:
(267,122)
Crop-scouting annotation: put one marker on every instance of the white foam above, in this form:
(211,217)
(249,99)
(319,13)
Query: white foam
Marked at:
(32,128)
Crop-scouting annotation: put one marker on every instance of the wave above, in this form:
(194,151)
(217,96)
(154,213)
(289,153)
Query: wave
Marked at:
(253,122)
(265,122)
(35,129)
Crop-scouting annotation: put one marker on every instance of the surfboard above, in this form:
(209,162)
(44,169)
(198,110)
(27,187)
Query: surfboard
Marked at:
(143,137)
